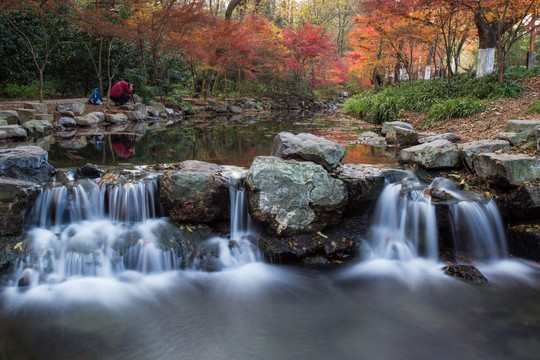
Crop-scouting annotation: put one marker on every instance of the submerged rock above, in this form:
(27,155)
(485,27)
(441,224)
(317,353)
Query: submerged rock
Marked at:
(26,162)
(308,147)
(467,273)
(16,199)
(196,192)
(292,197)
(439,154)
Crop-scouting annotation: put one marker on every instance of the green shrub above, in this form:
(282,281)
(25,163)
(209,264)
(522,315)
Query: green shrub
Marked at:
(13,91)
(534,108)
(454,108)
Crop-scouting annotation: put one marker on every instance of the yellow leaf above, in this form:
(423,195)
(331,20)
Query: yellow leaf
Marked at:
(189,228)
(18,246)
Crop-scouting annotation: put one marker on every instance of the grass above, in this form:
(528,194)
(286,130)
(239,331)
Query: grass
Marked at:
(534,108)
(454,108)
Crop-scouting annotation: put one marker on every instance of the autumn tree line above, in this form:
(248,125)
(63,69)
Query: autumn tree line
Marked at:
(215,47)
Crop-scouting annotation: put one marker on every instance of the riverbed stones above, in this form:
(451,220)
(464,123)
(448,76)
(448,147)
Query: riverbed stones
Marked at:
(402,136)
(308,147)
(26,115)
(518,126)
(389,124)
(14,131)
(11,116)
(364,185)
(38,107)
(26,162)
(196,192)
(86,120)
(452,137)
(506,170)
(468,149)
(291,197)
(467,273)
(116,118)
(439,154)
(37,128)
(16,199)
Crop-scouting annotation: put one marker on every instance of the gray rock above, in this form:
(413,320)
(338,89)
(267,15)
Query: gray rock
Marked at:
(402,136)
(116,118)
(468,149)
(157,107)
(26,162)
(524,202)
(364,185)
(3,135)
(67,122)
(77,108)
(524,242)
(371,138)
(308,147)
(26,115)
(236,109)
(466,273)
(506,170)
(74,143)
(45,117)
(512,137)
(3,122)
(439,154)
(88,171)
(99,115)
(452,137)
(521,125)
(388,125)
(67,113)
(196,192)
(14,131)
(40,108)
(86,120)
(16,200)
(134,116)
(11,116)
(292,197)
(38,128)
(67,134)
(169,111)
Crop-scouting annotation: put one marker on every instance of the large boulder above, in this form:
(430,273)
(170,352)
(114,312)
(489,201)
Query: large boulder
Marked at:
(116,118)
(524,202)
(26,115)
(37,128)
(518,126)
(513,137)
(16,199)
(88,171)
(38,107)
(506,170)
(196,192)
(11,116)
(77,108)
(14,131)
(468,149)
(524,241)
(439,154)
(292,197)
(135,116)
(364,185)
(388,125)
(26,162)
(308,147)
(402,136)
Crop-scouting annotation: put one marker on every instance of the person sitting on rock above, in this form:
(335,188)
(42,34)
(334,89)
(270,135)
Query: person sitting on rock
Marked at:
(121,92)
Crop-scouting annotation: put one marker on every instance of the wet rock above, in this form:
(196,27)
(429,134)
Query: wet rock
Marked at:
(452,137)
(388,125)
(61,177)
(308,147)
(67,122)
(291,197)
(77,108)
(26,115)
(10,116)
(524,202)
(86,120)
(67,134)
(38,107)
(75,143)
(364,185)
(506,170)
(467,273)
(16,199)
(512,137)
(88,171)
(37,128)
(99,115)
(468,149)
(401,136)
(116,118)
(134,116)
(14,131)
(518,126)
(524,241)
(196,192)
(26,162)
(45,117)
(439,154)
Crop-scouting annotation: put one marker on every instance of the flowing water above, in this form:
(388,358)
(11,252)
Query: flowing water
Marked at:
(111,277)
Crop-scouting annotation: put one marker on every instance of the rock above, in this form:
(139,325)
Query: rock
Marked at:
(116,118)
(196,192)
(26,162)
(67,122)
(77,108)
(67,134)
(466,273)
(75,143)
(88,171)
(45,117)
(14,131)
(156,107)
(169,111)
(364,185)
(99,115)
(401,136)
(512,137)
(38,107)
(506,170)
(524,202)
(521,125)
(11,116)
(293,197)
(26,115)
(86,120)
(134,116)
(524,241)
(452,137)
(388,125)
(37,128)
(308,147)
(235,109)
(533,139)
(219,108)
(66,113)
(16,200)
(468,149)
(371,138)
(61,177)
(439,154)
(3,122)
(3,135)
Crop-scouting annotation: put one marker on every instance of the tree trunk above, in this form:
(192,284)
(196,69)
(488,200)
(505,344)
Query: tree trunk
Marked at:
(486,51)
(154,66)
(230,8)
(41,85)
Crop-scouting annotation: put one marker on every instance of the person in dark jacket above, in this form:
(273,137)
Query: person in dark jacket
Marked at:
(121,92)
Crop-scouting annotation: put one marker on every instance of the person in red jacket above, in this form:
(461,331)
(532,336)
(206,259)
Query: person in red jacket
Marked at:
(121,91)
